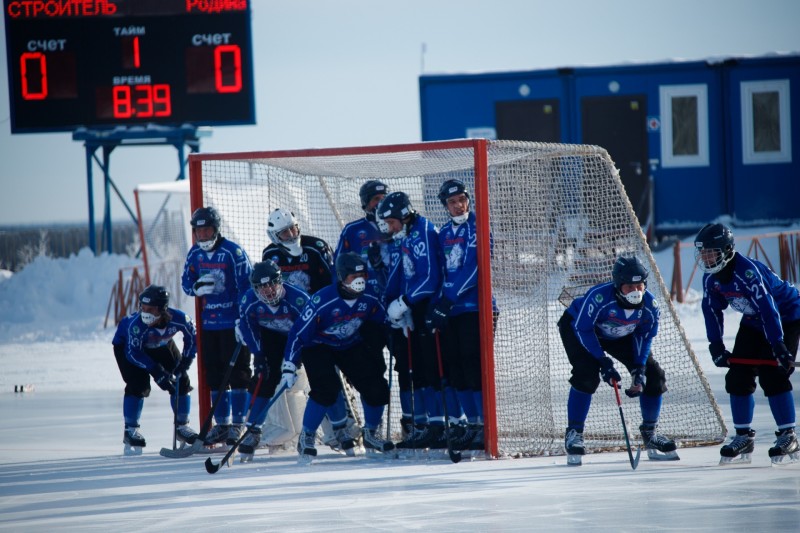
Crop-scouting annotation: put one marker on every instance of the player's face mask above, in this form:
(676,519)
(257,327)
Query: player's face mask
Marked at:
(357,286)
(149,318)
(634,297)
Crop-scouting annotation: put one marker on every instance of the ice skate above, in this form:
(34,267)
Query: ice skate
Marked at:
(217,435)
(786,450)
(248,446)
(346,443)
(306,447)
(573,444)
(375,445)
(659,447)
(133,441)
(185,435)
(235,431)
(740,449)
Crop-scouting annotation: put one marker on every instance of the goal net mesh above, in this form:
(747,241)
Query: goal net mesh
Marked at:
(559,216)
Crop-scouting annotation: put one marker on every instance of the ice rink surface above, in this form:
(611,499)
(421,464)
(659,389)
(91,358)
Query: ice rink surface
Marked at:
(62,469)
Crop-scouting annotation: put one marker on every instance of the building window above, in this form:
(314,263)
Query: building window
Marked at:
(684,125)
(766,135)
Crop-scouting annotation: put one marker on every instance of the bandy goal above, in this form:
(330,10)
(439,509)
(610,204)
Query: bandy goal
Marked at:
(558,215)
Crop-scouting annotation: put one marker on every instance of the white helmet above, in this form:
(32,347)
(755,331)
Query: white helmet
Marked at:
(280,220)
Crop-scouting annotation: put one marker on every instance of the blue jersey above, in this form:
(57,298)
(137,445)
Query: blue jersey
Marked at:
(598,315)
(419,268)
(755,291)
(257,314)
(329,319)
(139,337)
(230,266)
(459,247)
(356,237)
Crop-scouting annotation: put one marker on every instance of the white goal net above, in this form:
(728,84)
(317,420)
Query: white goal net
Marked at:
(559,216)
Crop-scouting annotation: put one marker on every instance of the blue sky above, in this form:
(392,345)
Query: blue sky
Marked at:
(346,73)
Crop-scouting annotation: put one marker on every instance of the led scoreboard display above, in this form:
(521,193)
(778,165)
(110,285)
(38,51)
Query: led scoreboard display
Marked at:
(105,63)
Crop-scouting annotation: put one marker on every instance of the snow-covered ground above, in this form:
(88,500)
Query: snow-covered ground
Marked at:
(61,467)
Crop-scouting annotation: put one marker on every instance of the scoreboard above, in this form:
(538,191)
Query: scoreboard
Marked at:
(106,63)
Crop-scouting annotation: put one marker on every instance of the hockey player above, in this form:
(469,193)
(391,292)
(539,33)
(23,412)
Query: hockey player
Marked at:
(328,336)
(268,311)
(217,271)
(618,318)
(455,314)
(768,334)
(365,238)
(414,280)
(305,261)
(144,347)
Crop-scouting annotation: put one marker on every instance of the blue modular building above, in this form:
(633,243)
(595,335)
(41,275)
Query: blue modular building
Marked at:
(693,140)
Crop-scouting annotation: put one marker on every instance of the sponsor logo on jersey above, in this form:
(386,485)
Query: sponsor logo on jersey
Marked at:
(300,301)
(336,312)
(598,297)
(315,299)
(749,274)
(239,252)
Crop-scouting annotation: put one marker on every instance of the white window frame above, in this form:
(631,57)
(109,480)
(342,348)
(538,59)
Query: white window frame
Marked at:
(666,93)
(749,154)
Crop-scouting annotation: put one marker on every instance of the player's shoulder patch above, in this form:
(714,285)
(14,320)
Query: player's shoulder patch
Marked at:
(300,301)
(749,273)
(315,299)
(598,297)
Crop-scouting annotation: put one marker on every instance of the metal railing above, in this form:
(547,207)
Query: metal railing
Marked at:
(787,249)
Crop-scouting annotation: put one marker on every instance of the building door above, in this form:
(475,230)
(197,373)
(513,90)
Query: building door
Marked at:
(528,120)
(619,124)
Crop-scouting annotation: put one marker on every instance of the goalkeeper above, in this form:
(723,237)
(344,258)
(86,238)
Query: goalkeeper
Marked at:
(618,318)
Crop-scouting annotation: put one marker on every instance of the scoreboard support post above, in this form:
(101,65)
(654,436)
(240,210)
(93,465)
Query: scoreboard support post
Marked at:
(152,135)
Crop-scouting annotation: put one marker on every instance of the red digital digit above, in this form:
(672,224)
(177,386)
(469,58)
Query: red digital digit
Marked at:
(161,100)
(34,88)
(122,101)
(144,101)
(228,68)
(136,62)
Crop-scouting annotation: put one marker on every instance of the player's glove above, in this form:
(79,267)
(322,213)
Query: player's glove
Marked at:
(397,308)
(288,375)
(608,373)
(637,382)
(183,366)
(404,323)
(436,318)
(163,379)
(237,330)
(204,285)
(719,354)
(783,355)
(374,255)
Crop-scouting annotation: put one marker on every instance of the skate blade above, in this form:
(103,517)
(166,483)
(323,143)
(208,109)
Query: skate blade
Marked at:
(574,460)
(786,460)
(655,455)
(743,459)
(130,451)
(245,457)
(372,453)
(305,459)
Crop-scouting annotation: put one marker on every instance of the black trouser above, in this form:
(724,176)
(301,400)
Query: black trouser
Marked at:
(364,368)
(586,368)
(137,379)
(423,352)
(272,347)
(217,350)
(461,349)
(751,343)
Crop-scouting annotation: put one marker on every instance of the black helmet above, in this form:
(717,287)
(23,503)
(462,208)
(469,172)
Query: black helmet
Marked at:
(713,247)
(451,188)
(349,263)
(155,295)
(204,217)
(395,205)
(369,190)
(629,270)
(267,282)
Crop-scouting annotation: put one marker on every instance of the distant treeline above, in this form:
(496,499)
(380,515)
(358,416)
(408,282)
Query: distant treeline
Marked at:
(19,245)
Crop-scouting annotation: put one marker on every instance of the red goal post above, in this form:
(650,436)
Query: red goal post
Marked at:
(558,216)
